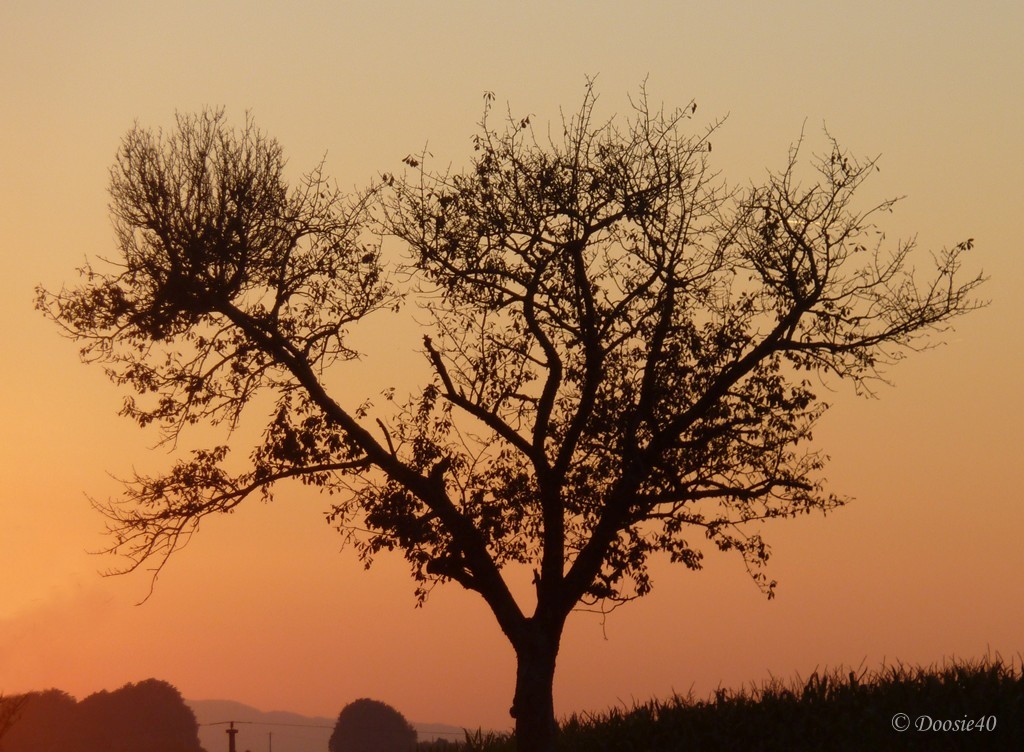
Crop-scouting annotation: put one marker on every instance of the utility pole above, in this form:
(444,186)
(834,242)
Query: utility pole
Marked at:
(231,731)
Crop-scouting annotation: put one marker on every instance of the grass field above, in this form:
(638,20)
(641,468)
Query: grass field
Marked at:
(960,705)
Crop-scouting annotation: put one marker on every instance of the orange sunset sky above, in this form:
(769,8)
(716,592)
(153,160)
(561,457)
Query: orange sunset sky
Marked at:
(261,607)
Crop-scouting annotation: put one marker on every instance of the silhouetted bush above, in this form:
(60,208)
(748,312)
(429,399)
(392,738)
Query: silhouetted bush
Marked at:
(371,726)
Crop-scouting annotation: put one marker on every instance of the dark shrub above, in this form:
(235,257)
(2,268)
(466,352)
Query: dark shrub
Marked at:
(371,726)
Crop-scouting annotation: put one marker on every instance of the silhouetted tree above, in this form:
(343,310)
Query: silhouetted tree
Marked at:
(149,715)
(10,708)
(624,351)
(46,721)
(366,725)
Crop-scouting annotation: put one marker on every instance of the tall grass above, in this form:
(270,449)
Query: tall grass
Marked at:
(839,710)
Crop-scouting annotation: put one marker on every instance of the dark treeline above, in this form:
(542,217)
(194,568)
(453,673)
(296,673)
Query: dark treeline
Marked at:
(150,715)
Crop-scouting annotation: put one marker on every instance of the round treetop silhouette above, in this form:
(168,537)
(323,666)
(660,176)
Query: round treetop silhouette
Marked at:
(366,725)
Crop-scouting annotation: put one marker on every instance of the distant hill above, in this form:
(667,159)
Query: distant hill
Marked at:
(279,731)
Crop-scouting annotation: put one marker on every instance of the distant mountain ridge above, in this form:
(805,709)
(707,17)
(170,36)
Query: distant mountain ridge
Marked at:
(280,731)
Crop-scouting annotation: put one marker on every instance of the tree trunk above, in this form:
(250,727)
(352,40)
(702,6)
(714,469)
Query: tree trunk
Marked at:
(533,706)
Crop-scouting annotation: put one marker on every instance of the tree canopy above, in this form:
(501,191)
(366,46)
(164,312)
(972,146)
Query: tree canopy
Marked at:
(366,725)
(149,715)
(625,352)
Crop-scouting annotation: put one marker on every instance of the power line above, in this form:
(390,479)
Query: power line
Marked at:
(312,726)
(267,723)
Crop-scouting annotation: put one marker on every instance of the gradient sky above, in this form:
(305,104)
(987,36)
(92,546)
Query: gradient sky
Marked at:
(926,564)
